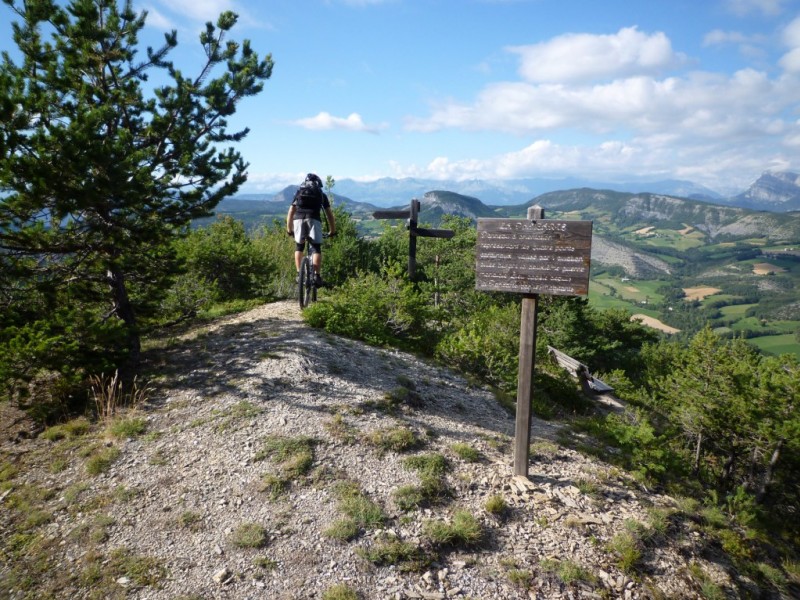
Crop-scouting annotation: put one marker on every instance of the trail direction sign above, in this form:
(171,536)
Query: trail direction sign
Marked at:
(413,231)
(538,256)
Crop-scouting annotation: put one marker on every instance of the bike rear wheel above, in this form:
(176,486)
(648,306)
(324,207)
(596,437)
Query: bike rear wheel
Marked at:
(303,283)
(306,291)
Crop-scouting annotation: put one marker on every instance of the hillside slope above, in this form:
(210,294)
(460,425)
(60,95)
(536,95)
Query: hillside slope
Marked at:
(177,497)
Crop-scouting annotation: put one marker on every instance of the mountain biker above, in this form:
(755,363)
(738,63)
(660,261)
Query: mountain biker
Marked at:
(304,222)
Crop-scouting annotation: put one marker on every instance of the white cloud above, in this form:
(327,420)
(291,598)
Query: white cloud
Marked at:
(706,126)
(791,61)
(745,7)
(717,37)
(697,105)
(791,35)
(201,10)
(191,12)
(578,57)
(158,20)
(326,121)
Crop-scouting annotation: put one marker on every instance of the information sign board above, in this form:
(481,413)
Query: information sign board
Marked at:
(540,256)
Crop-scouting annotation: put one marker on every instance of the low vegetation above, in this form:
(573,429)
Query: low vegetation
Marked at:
(707,419)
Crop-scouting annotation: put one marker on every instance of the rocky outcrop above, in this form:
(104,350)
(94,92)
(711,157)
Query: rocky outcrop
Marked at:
(636,264)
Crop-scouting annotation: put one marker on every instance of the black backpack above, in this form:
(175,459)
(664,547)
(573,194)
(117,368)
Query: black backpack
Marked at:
(308,197)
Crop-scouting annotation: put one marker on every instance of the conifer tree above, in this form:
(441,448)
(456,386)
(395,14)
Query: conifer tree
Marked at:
(100,168)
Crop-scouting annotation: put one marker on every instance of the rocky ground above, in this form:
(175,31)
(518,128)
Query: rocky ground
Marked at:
(178,499)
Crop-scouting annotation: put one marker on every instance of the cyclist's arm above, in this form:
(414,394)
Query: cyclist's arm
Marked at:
(290,219)
(331,221)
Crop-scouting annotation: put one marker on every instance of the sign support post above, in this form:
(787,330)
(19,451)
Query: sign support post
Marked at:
(527,363)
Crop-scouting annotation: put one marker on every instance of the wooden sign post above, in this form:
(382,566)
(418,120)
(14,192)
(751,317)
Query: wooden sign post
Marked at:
(413,231)
(531,257)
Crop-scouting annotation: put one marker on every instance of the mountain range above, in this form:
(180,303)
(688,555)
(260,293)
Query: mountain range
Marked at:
(776,191)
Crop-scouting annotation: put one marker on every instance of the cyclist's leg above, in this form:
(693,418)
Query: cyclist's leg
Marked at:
(303,282)
(315,239)
(300,234)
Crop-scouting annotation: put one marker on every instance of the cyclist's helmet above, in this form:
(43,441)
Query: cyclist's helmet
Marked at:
(314,180)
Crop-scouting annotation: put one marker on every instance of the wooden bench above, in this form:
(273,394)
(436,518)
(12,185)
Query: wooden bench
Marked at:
(589,383)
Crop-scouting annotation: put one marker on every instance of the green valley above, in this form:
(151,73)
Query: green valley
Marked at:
(679,263)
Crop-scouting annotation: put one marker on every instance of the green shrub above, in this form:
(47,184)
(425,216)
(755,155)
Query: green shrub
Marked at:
(628,550)
(223,253)
(486,345)
(381,311)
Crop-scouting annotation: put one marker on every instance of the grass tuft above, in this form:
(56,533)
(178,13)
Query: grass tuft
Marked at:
(466,452)
(496,505)
(127,428)
(404,556)
(101,460)
(249,535)
(394,439)
(340,592)
(464,530)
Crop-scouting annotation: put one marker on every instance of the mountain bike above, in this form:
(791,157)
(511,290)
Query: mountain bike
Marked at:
(306,282)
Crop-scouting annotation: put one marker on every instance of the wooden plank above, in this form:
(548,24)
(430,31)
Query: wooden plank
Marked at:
(539,256)
(391,214)
(599,386)
(433,233)
(580,370)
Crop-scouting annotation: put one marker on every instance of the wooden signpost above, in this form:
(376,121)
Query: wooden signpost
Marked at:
(531,257)
(414,232)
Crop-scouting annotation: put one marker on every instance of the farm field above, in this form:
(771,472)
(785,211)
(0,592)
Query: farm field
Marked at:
(682,240)
(777,344)
(638,292)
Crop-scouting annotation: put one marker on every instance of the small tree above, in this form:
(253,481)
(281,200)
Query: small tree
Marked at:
(97,177)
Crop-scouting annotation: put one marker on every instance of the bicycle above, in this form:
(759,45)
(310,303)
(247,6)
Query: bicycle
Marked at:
(306,282)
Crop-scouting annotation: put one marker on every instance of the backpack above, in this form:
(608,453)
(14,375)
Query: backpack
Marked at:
(308,197)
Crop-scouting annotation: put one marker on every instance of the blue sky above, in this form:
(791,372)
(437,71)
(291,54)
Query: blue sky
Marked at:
(707,91)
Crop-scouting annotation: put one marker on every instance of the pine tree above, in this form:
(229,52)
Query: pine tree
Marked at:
(98,173)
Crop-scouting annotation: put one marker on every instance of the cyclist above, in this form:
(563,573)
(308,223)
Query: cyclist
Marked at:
(304,222)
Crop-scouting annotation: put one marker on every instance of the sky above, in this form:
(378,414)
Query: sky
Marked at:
(701,90)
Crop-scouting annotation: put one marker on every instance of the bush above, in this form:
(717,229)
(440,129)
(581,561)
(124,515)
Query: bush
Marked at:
(381,311)
(487,346)
(223,253)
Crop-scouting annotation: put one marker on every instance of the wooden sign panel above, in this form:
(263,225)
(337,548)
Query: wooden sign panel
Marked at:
(533,256)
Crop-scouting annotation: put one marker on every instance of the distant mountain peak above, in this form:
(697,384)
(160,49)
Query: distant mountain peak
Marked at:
(774,190)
